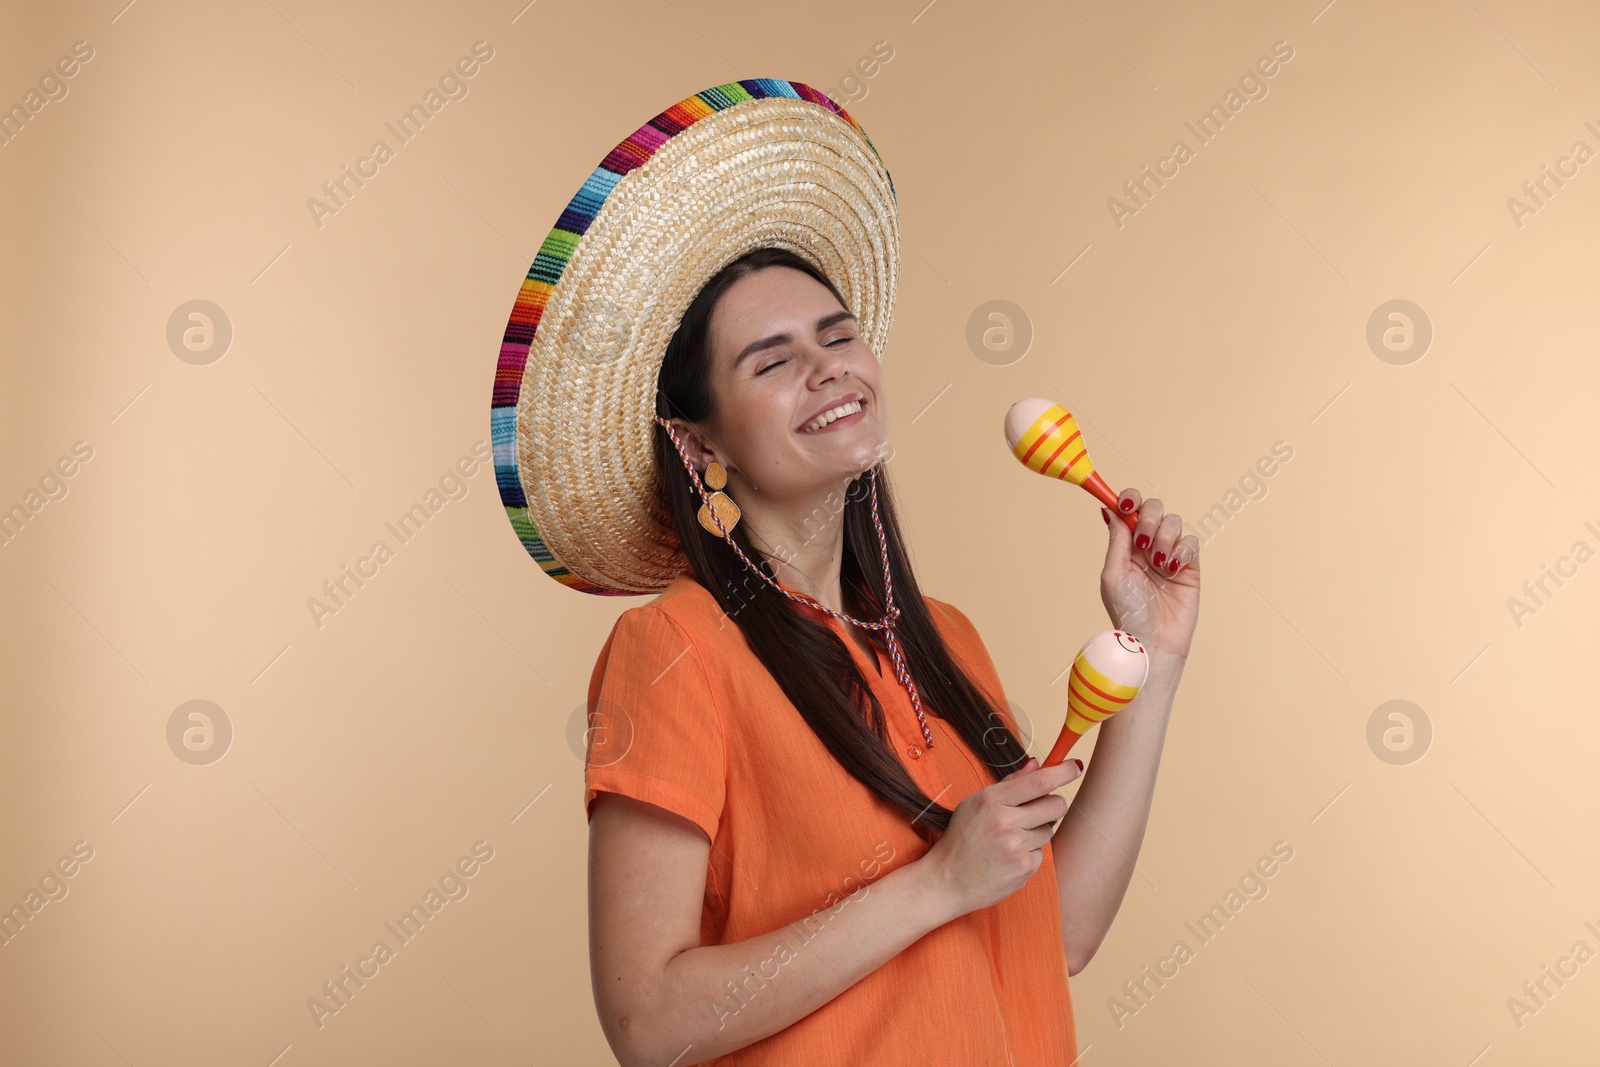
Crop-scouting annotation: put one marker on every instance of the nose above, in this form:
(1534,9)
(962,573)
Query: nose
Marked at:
(828,366)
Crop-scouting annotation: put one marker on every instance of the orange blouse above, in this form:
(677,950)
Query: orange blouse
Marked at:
(686,717)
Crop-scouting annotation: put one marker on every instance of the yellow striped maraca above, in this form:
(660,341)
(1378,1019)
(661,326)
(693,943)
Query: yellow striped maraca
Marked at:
(1045,437)
(1106,676)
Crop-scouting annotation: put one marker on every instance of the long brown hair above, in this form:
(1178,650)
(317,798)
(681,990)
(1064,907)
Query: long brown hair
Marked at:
(805,657)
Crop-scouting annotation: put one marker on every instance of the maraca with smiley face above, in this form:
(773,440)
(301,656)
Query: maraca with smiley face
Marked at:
(1109,670)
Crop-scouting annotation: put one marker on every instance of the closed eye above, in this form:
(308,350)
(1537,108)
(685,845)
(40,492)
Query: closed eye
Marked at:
(846,339)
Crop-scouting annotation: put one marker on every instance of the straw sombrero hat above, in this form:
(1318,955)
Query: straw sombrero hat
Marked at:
(730,169)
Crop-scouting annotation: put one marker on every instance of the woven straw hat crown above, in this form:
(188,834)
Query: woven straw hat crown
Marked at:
(753,163)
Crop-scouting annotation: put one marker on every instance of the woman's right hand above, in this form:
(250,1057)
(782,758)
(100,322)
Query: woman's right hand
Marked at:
(997,835)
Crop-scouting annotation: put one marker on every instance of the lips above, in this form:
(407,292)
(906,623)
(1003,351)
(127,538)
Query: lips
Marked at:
(835,409)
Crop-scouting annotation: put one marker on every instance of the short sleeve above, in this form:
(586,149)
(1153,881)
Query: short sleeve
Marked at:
(655,732)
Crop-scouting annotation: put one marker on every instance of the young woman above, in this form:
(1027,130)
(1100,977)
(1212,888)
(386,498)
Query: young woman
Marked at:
(814,834)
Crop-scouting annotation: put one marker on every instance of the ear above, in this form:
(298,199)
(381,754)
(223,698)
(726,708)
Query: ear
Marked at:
(700,450)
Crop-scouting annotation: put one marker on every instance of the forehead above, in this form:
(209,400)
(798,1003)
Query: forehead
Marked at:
(772,302)
(772,296)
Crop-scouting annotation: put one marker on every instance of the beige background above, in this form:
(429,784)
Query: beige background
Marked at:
(435,709)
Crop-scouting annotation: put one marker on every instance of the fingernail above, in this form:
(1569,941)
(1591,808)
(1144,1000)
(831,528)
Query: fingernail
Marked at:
(1173,567)
(1158,558)
(1079,762)
(1143,541)
(1126,505)
(1106,515)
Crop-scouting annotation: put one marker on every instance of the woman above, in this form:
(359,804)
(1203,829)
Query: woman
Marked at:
(815,836)
(752,405)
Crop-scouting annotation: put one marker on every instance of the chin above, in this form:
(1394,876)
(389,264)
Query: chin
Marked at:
(874,455)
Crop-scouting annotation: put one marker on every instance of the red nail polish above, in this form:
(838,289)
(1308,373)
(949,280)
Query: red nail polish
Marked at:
(1106,515)
(1079,762)
(1159,556)
(1173,567)
(1143,541)
(1126,505)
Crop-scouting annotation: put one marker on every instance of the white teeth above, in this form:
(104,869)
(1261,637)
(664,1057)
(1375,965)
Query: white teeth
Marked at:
(828,416)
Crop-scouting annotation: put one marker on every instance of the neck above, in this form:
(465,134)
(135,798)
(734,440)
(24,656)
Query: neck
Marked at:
(801,537)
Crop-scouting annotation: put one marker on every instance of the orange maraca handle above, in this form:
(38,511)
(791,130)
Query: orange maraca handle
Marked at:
(1063,745)
(1097,485)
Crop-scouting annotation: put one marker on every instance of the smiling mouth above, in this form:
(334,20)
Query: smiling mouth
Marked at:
(829,417)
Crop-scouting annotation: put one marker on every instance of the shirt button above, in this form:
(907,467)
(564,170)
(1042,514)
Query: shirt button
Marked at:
(914,752)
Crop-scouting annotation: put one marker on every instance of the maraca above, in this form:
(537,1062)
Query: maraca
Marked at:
(1107,674)
(1045,437)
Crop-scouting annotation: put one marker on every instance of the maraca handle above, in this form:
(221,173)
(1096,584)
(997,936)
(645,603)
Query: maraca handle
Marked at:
(1097,485)
(1063,745)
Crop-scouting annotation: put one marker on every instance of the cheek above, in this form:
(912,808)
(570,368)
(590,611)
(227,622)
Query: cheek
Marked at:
(871,375)
(757,434)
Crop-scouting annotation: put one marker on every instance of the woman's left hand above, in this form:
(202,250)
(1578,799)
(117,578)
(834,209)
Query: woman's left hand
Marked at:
(1143,592)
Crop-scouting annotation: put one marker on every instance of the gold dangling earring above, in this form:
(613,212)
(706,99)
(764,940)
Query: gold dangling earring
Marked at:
(722,503)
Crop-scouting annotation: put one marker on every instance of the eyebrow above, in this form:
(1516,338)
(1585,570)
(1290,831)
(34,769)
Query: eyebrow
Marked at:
(782,338)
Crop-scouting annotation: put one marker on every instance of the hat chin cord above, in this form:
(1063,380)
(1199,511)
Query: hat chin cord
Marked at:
(902,672)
